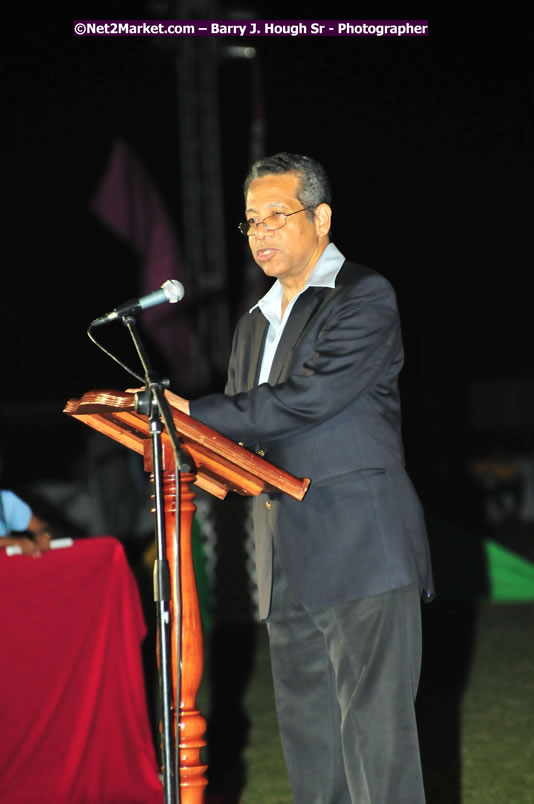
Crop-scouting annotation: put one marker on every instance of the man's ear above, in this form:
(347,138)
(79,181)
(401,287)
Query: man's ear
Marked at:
(323,219)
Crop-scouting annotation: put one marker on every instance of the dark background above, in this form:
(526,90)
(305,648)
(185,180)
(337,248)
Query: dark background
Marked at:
(428,144)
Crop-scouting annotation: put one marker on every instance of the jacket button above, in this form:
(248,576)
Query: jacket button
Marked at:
(268,505)
(241,444)
(261,453)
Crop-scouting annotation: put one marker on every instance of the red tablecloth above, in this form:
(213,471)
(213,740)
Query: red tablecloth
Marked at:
(74,725)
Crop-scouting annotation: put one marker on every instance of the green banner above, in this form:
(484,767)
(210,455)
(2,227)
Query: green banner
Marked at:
(511,576)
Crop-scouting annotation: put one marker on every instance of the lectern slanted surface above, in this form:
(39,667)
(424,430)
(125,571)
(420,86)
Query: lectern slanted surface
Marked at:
(221,465)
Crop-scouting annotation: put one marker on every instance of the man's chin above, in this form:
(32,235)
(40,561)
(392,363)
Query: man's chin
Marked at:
(269,267)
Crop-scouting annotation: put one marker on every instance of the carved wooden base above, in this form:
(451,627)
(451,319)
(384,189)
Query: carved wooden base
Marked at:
(191,726)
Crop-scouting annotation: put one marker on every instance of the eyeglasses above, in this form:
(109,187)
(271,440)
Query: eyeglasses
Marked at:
(270,223)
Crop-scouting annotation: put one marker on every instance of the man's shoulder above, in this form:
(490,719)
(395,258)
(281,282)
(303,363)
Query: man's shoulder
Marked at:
(354,272)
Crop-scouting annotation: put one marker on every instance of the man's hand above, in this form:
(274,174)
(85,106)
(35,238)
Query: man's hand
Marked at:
(42,540)
(41,534)
(27,546)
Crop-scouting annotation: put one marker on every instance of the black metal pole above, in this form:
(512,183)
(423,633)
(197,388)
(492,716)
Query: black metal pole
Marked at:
(162,597)
(152,403)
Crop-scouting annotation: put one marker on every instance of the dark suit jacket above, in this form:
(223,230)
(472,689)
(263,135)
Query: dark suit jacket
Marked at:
(330,412)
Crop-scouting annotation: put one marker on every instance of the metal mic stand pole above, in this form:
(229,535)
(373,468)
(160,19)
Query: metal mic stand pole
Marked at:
(152,402)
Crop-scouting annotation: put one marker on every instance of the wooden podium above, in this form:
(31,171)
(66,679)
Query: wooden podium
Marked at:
(220,466)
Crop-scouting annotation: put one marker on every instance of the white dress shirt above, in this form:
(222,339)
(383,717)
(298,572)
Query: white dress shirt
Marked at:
(323,275)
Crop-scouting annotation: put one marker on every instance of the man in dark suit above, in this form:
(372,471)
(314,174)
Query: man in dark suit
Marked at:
(312,386)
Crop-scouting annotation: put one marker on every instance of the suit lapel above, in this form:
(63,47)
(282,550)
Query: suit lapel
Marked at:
(303,311)
(306,308)
(257,340)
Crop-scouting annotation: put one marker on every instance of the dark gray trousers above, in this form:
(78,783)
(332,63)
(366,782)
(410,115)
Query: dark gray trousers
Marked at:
(345,681)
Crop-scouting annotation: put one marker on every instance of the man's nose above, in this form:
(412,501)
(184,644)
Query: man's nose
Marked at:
(261,230)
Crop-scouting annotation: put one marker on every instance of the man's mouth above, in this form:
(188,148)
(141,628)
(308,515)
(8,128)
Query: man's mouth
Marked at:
(265,253)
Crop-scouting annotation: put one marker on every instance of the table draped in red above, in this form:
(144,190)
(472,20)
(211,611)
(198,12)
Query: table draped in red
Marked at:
(74,726)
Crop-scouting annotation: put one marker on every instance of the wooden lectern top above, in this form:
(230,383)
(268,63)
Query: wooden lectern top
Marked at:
(221,465)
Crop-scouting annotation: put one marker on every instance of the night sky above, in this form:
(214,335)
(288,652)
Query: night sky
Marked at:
(428,142)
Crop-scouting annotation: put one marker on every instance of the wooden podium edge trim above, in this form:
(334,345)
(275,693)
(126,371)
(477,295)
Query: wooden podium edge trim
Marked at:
(106,405)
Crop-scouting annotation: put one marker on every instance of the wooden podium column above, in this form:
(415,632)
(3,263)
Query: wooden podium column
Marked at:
(189,725)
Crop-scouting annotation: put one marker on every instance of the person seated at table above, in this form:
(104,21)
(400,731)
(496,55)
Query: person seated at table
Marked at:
(20,526)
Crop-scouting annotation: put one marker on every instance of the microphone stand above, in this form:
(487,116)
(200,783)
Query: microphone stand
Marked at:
(152,402)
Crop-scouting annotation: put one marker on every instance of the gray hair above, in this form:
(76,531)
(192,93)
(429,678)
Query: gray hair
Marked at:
(313,186)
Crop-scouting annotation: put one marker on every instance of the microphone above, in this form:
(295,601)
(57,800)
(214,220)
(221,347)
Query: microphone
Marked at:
(171,291)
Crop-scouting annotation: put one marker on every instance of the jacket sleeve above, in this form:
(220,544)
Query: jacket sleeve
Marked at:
(355,348)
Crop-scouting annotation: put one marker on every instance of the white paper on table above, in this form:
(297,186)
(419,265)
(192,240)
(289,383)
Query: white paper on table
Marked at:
(55,544)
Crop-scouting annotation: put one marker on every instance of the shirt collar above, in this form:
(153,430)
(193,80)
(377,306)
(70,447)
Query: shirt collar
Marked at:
(323,275)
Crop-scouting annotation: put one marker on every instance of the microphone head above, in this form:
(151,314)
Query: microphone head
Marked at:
(173,290)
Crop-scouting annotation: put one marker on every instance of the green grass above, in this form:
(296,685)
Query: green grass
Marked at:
(497,726)
(498,709)
(267,776)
